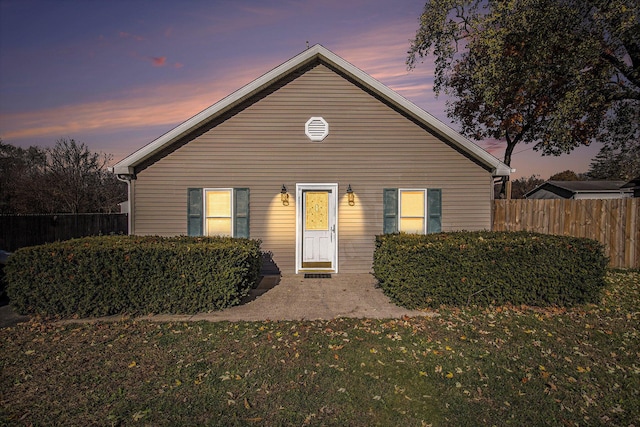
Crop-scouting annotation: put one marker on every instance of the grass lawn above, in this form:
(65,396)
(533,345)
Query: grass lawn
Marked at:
(471,367)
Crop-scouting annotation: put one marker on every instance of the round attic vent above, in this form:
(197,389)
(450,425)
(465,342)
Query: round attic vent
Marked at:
(316,128)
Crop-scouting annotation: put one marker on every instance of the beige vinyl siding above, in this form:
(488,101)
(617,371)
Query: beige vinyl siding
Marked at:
(263,146)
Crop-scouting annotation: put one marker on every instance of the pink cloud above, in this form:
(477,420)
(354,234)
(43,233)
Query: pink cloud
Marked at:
(139,109)
(125,35)
(169,106)
(493,146)
(384,55)
(263,11)
(159,61)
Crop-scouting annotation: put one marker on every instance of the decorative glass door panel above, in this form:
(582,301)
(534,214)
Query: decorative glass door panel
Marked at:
(318,241)
(317,210)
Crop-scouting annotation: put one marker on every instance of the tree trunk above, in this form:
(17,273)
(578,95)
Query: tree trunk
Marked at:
(511,144)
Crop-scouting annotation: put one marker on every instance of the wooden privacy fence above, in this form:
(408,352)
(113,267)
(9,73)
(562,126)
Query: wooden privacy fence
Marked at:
(613,222)
(17,231)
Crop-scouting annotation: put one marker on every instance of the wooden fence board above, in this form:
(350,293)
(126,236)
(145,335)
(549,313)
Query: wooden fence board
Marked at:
(613,222)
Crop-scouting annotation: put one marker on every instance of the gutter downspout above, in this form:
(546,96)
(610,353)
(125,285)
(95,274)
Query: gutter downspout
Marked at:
(127,178)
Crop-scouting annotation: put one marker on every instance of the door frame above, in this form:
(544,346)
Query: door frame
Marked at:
(333,187)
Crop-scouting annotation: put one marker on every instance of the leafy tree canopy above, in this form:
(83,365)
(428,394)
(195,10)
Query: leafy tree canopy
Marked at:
(522,185)
(567,175)
(553,73)
(617,161)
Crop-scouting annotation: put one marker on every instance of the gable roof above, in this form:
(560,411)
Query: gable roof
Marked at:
(316,53)
(568,189)
(633,184)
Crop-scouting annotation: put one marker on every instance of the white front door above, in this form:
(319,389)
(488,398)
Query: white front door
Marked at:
(317,228)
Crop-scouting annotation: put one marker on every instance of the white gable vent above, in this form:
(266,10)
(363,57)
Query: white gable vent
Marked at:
(316,128)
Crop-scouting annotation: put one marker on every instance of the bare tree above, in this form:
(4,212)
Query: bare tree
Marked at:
(65,178)
(22,172)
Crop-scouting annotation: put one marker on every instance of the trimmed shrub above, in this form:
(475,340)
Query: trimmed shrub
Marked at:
(4,257)
(484,268)
(98,276)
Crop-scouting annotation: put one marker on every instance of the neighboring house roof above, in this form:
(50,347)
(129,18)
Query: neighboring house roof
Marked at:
(633,184)
(569,189)
(128,165)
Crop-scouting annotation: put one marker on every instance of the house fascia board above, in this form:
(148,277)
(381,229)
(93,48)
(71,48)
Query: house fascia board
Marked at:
(128,164)
(621,191)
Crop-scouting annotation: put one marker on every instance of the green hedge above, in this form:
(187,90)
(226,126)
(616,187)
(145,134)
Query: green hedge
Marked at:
(97,276)
(484,268)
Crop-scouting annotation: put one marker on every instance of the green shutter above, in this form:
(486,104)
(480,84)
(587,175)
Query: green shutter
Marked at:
(194,211)
(241,212)
(434,210)
(390,200)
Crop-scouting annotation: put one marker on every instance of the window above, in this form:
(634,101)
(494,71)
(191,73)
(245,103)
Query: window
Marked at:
(218,212)
(412,210)
(412,207)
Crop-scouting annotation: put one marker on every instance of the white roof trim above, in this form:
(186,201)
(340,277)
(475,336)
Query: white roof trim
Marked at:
(127,165)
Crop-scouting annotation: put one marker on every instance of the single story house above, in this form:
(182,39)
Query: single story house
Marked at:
(580,190)
(314,158)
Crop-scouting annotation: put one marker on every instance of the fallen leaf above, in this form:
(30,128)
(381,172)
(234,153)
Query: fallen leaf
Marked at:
(141,414)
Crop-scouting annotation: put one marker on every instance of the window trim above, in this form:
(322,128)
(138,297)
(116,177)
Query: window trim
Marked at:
(231,210)
(424,208)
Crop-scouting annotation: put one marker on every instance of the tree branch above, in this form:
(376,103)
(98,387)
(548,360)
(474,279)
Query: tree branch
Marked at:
(627,71)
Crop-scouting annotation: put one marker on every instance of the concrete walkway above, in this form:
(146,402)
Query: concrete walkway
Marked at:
(291,297)
(296,298)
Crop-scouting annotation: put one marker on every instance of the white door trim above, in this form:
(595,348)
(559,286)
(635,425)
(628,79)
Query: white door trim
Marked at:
(299,221)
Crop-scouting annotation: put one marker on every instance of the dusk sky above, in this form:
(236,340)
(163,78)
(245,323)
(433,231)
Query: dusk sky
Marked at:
(117,74)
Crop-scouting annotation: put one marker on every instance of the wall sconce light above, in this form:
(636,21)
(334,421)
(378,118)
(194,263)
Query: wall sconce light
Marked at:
(284,197)
(350,197)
